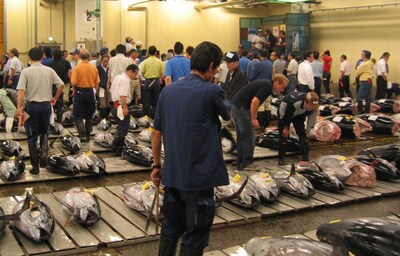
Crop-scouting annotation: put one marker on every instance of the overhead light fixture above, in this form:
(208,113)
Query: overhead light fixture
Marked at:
(50,38)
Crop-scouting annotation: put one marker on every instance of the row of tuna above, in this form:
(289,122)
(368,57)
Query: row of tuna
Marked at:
(330,173)
(361,237)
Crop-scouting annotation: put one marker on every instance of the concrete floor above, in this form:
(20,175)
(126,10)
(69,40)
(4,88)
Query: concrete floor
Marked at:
(222,238)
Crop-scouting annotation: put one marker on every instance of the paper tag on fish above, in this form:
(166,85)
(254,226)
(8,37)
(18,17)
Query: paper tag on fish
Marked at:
(342,104)
(382,101)
(273,100)
(322,107)
(89,191)
(149,129)
(334,221)
(373,117)
(89,153)
(145,186)
(337,119)
(342,158)
(237,178)
(389,85)
(31,205)
(12,158)
(35,214)
(265,175)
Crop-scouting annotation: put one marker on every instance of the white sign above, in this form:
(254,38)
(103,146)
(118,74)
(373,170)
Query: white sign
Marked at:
(85,20)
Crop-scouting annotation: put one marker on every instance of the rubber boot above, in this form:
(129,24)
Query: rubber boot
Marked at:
(190,252)
(304,148)
(367,107)
(81,130)
(34,156)
(117,145)
(44,146)
(89,128)
(359,107)
(167,246)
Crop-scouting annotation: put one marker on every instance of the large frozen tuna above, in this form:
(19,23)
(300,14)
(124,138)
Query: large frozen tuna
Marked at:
(104,125)
(293,183)
(12,169)
(328,110)
(104,139)
(91,163)
(349,126)
(264,246)
(389,152)
(388,105)
(325,130)
(247,196)
(145,135)
(83,205)
(56,128)
(72,144)
(384,169)
(65,165)
(138,154)
(382,124)
(10,148)
(266,186)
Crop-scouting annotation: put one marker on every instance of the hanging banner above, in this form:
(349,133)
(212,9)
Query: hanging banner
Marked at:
(85,20)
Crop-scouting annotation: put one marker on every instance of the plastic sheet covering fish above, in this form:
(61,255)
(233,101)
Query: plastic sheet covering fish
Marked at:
(267,187)
(384,169)
(293,183)
(248,196)
(382,124)
(91,163)
(3,223)
(389,152)
(228,143)
(133,124)
(138,154)
(328,99)
(145,135)
(325,130)
(349,170)
(72,144)
(144,121)
(139,196)
(321,178)
(104,125)
(67,119)
(82,204)
(32,218)
(130,141)
(344,107)
(10,148)
(349,126)
(265,246)
(56,128)
(104,139)
(327,110)
(271,140)
(65,165)
(12,169)
(364,236)
(388,105)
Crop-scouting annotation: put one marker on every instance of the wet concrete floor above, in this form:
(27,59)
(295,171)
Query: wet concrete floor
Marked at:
(222,238)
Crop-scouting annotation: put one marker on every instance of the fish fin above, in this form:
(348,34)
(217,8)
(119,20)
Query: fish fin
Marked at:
(64,204)
(319,167)
(16,216)
(234,195)
(54,141)
(396,214)
(292,170)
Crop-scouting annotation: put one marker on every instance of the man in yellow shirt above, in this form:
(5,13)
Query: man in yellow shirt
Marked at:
(152,71)
(365,73)
(84,79)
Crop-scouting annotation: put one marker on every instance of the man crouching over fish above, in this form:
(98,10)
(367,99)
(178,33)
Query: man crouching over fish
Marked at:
(187,119)
(294,108)
(35,86)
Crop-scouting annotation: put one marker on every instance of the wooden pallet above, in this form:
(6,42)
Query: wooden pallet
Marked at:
(121,225)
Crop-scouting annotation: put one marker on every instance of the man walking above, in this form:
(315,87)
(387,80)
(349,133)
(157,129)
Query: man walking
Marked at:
(193,163)
(305,74)
(84,79)
(35,86)
(365,73)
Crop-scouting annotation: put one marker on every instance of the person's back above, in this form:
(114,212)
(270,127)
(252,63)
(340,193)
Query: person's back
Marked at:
(118,64)
(178,67)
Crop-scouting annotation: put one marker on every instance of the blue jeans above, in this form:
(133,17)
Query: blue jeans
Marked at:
(364,93)
(292,83)
(245,142)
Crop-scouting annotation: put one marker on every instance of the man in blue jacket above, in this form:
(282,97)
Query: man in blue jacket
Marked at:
(187,118)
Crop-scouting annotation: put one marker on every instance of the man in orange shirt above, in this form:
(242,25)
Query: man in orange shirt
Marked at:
(85,80)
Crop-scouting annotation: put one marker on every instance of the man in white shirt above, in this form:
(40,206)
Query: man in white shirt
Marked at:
(121,96)
(344,80)
(292,72)
(118,64)
(381,79)
(16,68)
(305,74)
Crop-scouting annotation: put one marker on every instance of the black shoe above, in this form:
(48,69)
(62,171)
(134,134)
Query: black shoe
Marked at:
(34,170)
(43,161)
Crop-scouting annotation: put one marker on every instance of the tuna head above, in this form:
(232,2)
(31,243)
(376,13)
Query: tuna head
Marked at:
(11,169)
(72,144)
(295,184)
(322,178)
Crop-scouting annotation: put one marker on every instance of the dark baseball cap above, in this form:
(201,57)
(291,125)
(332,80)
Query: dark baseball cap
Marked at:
(74,51)
(231,57)
(103,50)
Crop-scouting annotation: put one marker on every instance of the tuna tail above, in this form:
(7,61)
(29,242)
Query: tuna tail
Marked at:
(234,195)
(16,216)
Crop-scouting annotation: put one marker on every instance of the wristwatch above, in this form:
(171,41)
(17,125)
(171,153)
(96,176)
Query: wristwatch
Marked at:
(156,166)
